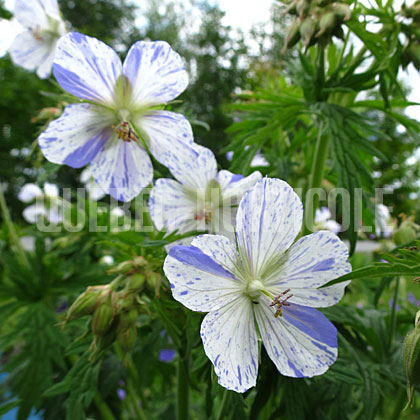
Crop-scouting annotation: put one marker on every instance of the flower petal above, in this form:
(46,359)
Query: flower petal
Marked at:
(235,186)
(200,275)
(33,212)
(77,136)
(268,220)
(311,262)
(170,207)
(156,72)
(230,342)
(122,168)
(86,67)
(29,53)
(166,134)
(30,14)
(318,298)
(193,165)
(29,192)
(51,190)
(302,342)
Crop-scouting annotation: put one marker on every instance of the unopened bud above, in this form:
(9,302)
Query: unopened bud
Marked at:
(135,282)
(127,320)
(85,304)
(103,317)
(412,361)
(302,7)
(293,37)
(154,280)
(139,261)
(121,268)
(127,339)
(342,11)
(406,233)
(326,23)
(307,29)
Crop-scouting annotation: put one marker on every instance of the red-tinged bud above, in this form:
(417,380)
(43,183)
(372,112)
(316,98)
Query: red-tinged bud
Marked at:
(307,29)
(293,37)
(342,11)
(326,24)
(85,304)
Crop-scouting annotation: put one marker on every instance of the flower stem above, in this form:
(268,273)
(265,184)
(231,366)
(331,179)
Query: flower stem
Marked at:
(225,402)
(315,180)
(106,413)
(14,239)
(182,407)
(393,320)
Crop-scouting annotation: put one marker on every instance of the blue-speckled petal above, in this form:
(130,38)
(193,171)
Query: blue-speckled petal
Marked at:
(268,220)
(77,136)
(171,208)
(201,275)
(235,186)
(301,342)
(311,262)
(167,135)
(87,68)
(156,72)
(230,342)
(122,168)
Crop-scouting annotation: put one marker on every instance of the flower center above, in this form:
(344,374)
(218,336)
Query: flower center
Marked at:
(205,214)
(125,132)
(254,288)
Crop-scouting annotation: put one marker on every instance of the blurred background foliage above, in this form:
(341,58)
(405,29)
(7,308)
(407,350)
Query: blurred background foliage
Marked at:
(257,92)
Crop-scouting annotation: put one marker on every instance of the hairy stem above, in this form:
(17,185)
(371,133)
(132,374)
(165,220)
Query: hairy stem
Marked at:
(225,402)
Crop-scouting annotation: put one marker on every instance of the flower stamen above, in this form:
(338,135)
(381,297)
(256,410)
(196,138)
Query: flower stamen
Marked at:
(125,132)
(281,300)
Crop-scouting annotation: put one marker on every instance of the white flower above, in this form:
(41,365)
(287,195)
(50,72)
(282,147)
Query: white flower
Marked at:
(323,220)
(92,187)
(47,203)
(35,47)
(123,102)
(262,280)
(384,225)
(201,198)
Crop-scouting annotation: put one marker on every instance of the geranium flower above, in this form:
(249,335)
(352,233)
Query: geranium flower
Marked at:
(35,48)
(323,220)
(201,198)
(262,279)
(48,204)
(122,118)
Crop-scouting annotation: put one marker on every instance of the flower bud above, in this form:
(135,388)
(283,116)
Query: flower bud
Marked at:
(121,268)
(103,317)
(412,361)
(406,233)
(342,11)
(302,7)
(154,280)
(85,304)
(292,37)
(139,261)
(307,29)
(127,339)
(326,23)
(127,320)
(135,282)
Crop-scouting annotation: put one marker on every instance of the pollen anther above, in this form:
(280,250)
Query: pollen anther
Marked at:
(125,132)
(281,300)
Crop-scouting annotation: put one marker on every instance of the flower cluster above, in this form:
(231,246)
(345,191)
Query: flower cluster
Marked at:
(248,273)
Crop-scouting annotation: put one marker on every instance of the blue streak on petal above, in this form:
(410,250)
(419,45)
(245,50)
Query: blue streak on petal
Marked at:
(193,256)
(311,322)
(297,372)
